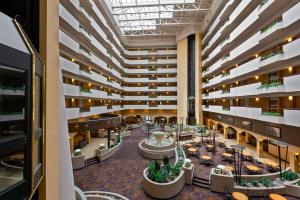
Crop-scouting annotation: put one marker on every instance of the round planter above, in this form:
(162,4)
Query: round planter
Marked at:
(163,190)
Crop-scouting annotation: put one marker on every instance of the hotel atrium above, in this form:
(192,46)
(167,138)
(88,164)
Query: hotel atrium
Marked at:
(149,99)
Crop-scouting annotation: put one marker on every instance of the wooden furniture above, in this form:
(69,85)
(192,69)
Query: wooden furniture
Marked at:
(227,155)
(185,136)
(271,163)
(276,197)
(192,150)
(239,196)
(206,157)
(229,168)
(188,145)
(251,169)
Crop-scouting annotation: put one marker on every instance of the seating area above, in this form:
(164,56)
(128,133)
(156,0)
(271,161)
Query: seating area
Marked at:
(207,155)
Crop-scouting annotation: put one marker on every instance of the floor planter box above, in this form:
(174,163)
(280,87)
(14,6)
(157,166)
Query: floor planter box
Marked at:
(292,189)
(163,190)
(260,191)
(78,161)
(107,153)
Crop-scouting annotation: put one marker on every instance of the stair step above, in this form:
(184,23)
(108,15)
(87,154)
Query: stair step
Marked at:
(202,185)
(91,161)
(201,182)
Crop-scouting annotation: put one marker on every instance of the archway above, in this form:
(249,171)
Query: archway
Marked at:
(173,120)
(220,128)
(160,119)
(131,120)
(211,124)
(232,133)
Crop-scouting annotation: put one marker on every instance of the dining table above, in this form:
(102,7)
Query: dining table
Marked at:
(276,197)
(253,168)
(239,196)
(192,150)
(205,157)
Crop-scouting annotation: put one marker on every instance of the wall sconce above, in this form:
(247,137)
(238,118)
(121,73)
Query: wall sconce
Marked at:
(256,77)
(290,69)
(256,99)
(290,98)
(290,39)
(73,100)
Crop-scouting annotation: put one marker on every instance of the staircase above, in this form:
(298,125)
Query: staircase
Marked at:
(201,182)
(91,161)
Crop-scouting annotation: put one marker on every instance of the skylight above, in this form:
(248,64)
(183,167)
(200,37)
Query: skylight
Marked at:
(146,15)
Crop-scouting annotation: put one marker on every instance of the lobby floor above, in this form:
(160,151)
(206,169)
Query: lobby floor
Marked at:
(123,174)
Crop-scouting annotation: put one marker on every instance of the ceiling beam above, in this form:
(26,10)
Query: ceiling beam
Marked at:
(148,5)
(164,11)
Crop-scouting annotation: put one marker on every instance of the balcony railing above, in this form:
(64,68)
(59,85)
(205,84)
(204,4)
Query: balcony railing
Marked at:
(263,2)
(84,109)
(271,53)
(225,74)
(226,108)
(269,27)
(85,90)
(11,87)
(277,112)
(225,91)
(270,84)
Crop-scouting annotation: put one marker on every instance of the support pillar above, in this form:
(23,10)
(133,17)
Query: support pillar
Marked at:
(294,162)
(239,138)
(89,137)
(108,138)
(259,148)
(225,133)
(71,139)
(247,138)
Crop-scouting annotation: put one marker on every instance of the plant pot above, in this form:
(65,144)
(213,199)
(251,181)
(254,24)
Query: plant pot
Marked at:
(78,161)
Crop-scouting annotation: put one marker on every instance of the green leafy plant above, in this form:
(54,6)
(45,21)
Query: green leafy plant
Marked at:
(289,175)
(159,177)
(243,183)
(266,182)
(77,152)
(151,170)
(175,170)
(156,165)
(298,183)
(255,183)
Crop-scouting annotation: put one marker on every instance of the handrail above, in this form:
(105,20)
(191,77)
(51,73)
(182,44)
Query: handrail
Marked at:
(102,194)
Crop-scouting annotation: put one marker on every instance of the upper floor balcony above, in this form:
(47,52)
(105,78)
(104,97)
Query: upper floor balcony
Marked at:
(150,52)
(287,52)
(149,70)
(288,116)
(289,84)
(147,80)
(151,62)
(162,107)
(68,41)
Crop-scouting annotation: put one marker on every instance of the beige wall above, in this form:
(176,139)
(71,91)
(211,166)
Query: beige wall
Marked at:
(58,183)
(182,79)
(198,79)
(182,82)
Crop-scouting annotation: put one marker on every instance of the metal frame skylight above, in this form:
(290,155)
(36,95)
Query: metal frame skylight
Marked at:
(157,17)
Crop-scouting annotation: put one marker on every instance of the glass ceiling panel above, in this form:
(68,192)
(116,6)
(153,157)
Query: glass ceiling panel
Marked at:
(133,15)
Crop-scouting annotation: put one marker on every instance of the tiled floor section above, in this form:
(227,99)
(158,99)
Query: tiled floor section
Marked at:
(123,174)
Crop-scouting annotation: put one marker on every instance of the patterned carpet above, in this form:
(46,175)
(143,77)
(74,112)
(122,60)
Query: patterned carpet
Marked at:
(123,174)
